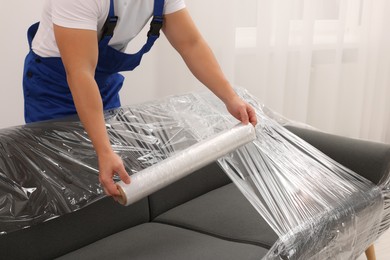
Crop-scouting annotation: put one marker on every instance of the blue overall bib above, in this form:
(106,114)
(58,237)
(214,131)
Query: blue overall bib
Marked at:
(46,91)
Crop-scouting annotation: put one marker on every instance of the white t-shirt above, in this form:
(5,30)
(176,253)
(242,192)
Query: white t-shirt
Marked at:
(91,15)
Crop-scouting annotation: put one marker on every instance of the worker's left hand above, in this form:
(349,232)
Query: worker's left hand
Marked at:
(111,164)
(241,110)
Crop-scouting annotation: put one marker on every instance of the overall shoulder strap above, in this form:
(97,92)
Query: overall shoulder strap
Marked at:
(110,24)
(157,21)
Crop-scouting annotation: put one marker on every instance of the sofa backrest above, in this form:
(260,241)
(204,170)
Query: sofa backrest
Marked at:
(100,219)
(198,183)
(369,159)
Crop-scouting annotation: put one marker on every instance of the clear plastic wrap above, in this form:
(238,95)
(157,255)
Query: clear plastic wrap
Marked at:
(319,209)
(179,165)
(48,169)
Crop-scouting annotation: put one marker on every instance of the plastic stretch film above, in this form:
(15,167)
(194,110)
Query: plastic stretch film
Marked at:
(319,209)
(181,164)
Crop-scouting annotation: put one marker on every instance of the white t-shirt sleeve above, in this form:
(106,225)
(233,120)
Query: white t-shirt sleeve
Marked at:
(77,14)
(172,6)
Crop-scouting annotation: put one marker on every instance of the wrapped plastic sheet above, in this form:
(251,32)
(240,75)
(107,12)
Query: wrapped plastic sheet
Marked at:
(160,175)
(319,209)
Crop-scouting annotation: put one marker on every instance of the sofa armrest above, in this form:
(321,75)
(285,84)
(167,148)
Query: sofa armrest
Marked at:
(369,159)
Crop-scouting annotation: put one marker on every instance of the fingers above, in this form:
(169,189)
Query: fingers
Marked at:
(252,115)
(242,111)
(248,115)
(109,165)
(244,116)
(123,174)
(109,186)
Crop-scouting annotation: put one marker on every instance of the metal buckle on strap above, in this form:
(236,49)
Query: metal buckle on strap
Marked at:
(155,26)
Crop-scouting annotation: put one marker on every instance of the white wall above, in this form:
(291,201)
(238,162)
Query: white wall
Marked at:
(15,17)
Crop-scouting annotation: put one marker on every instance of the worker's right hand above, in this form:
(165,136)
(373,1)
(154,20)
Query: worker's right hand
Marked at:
(241,110)
(110,164)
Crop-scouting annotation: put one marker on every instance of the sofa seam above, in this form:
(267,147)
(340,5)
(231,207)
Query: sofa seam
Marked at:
(152,218)
(149,209)
(242,241)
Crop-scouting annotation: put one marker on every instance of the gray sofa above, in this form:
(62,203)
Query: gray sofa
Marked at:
(202,216)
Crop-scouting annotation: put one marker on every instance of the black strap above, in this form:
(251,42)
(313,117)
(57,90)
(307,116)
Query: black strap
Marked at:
(155,26)
(110,24)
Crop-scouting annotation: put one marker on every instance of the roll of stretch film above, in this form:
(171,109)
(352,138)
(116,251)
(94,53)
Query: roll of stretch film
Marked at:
(183,163)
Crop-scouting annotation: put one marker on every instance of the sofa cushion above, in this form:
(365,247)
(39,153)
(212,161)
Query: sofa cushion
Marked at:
(196,184)
(159,241)
(224,213)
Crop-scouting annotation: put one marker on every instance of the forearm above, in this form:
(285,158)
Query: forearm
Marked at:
(79,53)
(202,63)
(86,97)
(89,107)
(186,39)
(204,66)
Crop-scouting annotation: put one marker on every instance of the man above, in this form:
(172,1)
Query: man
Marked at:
(77,51)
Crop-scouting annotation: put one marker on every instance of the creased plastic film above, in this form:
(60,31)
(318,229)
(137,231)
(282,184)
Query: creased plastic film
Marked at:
(183,163)
(318,208)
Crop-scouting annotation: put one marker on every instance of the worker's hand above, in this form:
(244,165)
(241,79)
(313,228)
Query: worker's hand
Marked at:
(241,110)
(111,164)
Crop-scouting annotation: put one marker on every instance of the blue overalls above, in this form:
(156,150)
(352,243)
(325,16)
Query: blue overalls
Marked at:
(46,91)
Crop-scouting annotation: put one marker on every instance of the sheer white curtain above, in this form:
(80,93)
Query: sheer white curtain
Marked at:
(322,62)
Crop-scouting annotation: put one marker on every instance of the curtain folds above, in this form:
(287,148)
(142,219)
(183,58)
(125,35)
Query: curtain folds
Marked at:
(322,62)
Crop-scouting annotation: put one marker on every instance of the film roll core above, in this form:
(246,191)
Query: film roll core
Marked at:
(183,163)
(122,199)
